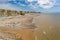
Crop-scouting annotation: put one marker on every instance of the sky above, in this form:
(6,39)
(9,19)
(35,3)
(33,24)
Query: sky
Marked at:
(31,5)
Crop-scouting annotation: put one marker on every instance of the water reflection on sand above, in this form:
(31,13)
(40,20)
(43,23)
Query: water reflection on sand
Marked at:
(48,26)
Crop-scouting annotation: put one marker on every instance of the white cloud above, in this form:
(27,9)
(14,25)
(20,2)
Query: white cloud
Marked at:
(42,1)
(30,0)
(20,4)
(31,5)
(34,7)
(46,4)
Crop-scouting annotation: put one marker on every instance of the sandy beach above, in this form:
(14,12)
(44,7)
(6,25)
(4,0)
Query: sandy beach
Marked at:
(31,27)
(20,26)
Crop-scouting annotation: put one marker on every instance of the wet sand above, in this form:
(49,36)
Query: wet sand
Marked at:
(48,26)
